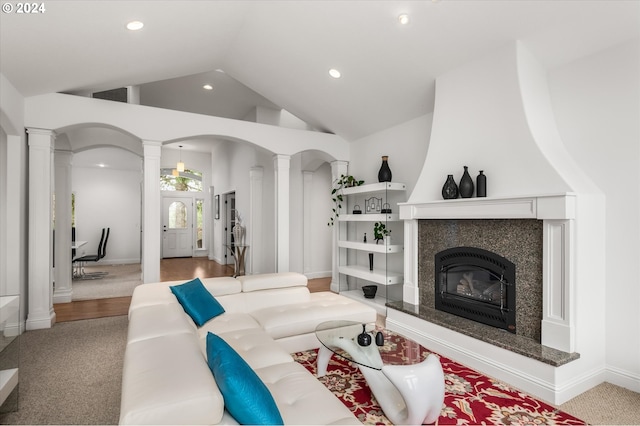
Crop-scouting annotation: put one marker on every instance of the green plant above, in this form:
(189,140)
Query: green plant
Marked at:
(345,181)
(380,231)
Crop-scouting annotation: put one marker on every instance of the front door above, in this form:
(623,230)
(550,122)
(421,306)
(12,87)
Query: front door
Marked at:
(177,231)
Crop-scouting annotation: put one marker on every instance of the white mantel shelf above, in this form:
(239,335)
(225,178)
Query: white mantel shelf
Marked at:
(553,206)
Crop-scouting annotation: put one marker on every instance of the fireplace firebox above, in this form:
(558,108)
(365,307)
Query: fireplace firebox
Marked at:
(478,285)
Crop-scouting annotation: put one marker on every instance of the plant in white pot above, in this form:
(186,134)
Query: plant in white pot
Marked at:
(380,231)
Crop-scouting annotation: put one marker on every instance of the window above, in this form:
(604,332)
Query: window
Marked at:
(199,223)
(189,180)
(177,215)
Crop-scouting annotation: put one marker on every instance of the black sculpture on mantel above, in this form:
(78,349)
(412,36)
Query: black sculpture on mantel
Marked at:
(466,186)
(481,185)
(450,189)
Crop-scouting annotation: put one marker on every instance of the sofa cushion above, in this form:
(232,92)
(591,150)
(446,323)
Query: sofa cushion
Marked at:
(245,396)
(148,322)
(300,318)
(197,301)
(301,398)
(271,281)
(256,347)
(165,380)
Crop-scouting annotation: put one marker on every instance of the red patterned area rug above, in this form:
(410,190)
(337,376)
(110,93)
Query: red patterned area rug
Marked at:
(470,398)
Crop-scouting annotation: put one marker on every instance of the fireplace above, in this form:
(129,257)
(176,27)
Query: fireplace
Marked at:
(476,284)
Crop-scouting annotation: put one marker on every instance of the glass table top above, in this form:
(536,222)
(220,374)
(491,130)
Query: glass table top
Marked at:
(395,349)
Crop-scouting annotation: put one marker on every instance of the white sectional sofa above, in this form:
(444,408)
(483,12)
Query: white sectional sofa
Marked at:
(166,378)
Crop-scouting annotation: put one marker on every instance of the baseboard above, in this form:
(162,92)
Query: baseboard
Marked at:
(315,275)
(622,378)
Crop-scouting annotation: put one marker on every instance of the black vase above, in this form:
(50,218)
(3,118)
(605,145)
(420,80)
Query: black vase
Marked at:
(364,339)
(450,189)
(384,175)
(481,185)
(371,261)
(466,184)
(379,338)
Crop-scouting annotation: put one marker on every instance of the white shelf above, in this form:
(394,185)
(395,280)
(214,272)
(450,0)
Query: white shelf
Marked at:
(374,187)
(378,276)
(378,303)
(371,247)
(384,217)
(9,306)
(8,382)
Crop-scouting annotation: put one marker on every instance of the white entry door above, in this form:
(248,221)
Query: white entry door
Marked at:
(177,231)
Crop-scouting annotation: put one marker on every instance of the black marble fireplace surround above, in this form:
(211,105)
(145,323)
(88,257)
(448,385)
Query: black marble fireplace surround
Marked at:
(520,241)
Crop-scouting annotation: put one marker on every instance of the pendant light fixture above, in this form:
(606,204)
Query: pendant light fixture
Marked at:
(180,165)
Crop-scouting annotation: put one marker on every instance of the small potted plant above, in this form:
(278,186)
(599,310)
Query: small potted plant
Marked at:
(345,181)
(380,231)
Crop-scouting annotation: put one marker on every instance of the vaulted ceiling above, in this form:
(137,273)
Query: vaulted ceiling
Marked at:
(277,54)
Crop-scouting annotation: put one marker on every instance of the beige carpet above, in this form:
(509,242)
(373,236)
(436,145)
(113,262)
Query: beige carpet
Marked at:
(119,282)
(71,373)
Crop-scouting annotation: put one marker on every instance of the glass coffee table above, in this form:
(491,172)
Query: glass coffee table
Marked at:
(407,381)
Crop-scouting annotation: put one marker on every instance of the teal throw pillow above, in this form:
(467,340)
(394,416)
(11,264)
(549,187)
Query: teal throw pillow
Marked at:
(246,397)
(197,301)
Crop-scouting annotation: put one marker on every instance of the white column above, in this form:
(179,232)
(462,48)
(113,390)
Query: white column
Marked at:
(410,292)
(558,263)
(62,271)
(338,168)
(307,211)
(281,168)
(40,305)
(255,231)
(151,211)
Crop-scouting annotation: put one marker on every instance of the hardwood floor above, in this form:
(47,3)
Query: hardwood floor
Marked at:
(170,270)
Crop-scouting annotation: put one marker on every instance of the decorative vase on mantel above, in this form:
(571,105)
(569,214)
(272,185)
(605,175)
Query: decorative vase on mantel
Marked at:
(450,189)
(466,186)
(481,185)
(384,175)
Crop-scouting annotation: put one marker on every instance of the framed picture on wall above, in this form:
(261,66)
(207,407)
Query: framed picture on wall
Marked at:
(216,202)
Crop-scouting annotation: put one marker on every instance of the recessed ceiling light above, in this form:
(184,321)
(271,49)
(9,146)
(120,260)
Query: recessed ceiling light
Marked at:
(207,87)
(334,73)
(404,19)
(135,25)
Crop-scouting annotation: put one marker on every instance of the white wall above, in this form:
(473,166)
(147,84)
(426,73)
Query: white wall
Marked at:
(108,198)
(596,101)
(406,145)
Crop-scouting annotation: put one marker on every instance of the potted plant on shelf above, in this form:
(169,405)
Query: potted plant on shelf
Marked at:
(345,181)
(380,231)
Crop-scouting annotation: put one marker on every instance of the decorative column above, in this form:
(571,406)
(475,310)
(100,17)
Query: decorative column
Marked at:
(255,230)
(151,212)
(40,294)
(281,168)
(338,168)
(410,292)
(307,226)
(63,290)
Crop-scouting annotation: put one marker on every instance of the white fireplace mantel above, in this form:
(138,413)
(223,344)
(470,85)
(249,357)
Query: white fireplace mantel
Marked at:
(557,212)
(555,206)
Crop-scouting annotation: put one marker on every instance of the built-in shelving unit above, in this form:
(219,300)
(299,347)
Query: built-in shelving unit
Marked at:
(9,350)
(353,252)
